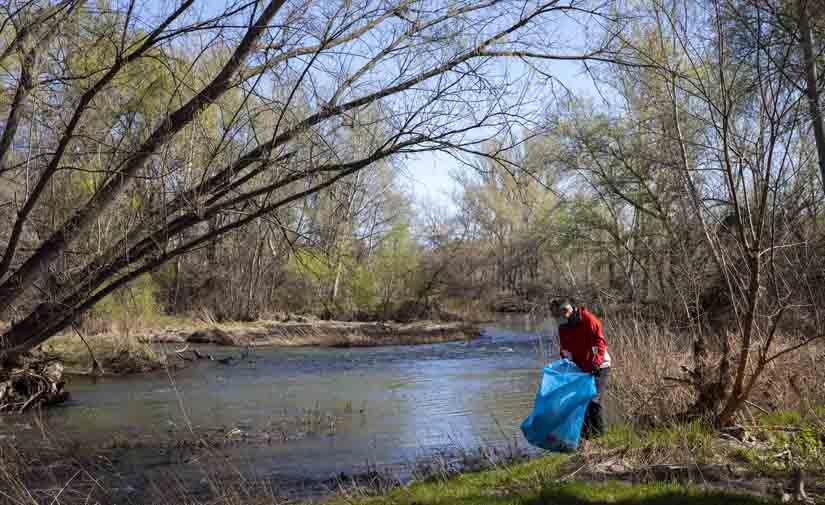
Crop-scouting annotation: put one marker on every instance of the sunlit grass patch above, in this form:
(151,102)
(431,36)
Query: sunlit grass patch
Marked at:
(538,483)
(619,492)
(115,353)
(778,445)
(670,442)
(791,417)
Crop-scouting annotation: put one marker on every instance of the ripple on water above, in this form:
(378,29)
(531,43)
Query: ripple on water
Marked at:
(389,405)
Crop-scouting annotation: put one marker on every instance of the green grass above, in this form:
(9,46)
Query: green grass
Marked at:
(622,435)
(537,483)
(800,442)
(790,417)
(619,492)
(694,439)
(803,449)
(626,435)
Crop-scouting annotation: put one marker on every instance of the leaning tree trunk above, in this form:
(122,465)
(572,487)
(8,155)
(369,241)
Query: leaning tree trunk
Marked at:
(51,316)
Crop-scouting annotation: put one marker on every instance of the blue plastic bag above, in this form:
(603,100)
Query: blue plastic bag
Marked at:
(561,402)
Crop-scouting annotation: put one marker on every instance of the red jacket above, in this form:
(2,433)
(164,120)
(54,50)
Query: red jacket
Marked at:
(580,337)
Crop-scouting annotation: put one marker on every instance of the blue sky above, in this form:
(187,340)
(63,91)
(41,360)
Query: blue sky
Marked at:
(428,175)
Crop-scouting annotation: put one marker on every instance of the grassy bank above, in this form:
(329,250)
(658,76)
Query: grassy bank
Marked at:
(546,481)
(688,464)
(674,463)
(135,349)
(588,477)
(321,333)
(671,464)
(115,354)
(779,437)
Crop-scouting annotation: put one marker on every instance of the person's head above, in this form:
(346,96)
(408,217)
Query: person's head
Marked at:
(566,311)
(563,309)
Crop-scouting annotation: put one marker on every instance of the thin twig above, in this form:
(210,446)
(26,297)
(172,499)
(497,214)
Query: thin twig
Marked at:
(31,400)
(97,369)
(764,410)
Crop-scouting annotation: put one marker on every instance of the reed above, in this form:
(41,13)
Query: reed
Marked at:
(648,356)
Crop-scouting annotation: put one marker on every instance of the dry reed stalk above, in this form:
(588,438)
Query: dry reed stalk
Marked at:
(646,355)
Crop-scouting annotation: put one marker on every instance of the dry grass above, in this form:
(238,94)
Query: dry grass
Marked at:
(119,344)
(470,309)
(116,353)
(62,472)
(332,334)
(59,477)
(647,356)
(133,350)
(321,333)
(644,354)
(551,479)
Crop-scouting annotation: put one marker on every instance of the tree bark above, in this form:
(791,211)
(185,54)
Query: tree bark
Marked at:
(812,90)
(14,286)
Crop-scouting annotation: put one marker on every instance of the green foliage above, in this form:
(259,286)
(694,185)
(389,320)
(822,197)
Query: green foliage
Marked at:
(384,278)
(782,418)
(788,440)
(622,435)
(135,301)
(807,445)
(315,265)
(363,288)
(396,263)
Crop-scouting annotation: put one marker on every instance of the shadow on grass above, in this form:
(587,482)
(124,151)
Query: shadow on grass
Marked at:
(572,493)
(624,493)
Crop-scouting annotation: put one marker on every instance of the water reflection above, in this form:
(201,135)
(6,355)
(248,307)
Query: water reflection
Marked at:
(390,405)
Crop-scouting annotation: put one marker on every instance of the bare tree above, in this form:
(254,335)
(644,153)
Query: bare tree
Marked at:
(740,162)
(311,67)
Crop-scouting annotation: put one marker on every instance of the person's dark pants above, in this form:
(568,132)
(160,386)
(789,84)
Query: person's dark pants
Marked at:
(593,418)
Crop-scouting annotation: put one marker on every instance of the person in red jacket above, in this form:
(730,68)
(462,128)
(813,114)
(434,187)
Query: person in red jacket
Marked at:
(581,340)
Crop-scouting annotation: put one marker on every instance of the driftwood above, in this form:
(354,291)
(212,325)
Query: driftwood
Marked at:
(197,355)
(30,385)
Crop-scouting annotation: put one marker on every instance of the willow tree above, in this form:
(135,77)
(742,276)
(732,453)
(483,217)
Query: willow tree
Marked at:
(429,72)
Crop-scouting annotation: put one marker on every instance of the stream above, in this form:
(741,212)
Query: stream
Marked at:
(359,409)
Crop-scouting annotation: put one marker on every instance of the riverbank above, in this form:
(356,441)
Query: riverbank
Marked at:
(319,333)
(545,481)
(676,464)
(149,349)
(237,434)
(780,459)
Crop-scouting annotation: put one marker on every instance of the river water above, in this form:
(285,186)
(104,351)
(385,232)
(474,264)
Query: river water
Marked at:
(381,407)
